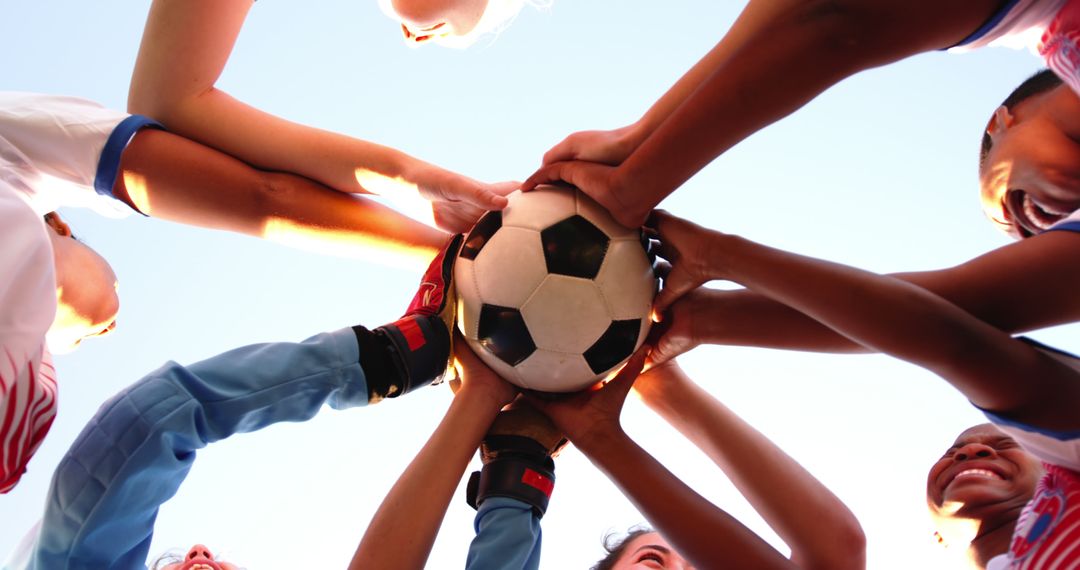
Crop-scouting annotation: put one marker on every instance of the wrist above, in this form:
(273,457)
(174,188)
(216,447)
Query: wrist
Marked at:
(484,394)
(599,440)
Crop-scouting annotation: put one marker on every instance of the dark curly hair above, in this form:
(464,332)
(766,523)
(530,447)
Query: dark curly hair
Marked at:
(615,546)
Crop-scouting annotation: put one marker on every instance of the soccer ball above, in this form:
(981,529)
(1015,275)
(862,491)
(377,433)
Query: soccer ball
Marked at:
(553,294)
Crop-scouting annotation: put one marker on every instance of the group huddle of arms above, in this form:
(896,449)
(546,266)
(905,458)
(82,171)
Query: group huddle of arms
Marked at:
(191,153)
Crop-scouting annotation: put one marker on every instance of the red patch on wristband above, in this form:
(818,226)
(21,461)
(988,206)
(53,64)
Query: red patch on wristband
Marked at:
(538,482)
(414,337)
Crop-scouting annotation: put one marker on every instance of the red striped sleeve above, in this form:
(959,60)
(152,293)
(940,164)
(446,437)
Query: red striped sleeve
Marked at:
(27,410)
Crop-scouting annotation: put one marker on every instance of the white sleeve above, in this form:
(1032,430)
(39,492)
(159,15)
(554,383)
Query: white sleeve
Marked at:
(73,144)
(1054,447)
(27,309)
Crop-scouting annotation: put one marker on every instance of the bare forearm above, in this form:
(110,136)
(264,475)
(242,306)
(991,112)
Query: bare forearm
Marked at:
(185,47)
(404,528)
(776,58)
(701,532)
(169,177)
(815,524)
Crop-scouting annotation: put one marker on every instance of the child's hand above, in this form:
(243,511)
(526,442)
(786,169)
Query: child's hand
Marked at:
(588,416)
(601,182)
(606,147)
(690,250)
(458,201)
(475,377)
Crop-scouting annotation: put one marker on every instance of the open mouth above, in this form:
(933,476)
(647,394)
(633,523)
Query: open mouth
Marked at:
(1029,215)
(974,474)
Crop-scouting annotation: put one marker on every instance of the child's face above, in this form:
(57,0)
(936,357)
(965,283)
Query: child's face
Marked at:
(984,474)
(86,291)
(199,557)
(650,551)
(435,21)
(1031,176)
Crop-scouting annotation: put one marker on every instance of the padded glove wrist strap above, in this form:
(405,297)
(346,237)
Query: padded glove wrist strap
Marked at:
(514,476)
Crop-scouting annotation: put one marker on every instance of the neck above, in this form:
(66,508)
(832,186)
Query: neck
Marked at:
(993,539)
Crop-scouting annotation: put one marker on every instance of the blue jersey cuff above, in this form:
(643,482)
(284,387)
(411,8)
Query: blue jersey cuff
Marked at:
(1066,226)
(987,25)
(109,163)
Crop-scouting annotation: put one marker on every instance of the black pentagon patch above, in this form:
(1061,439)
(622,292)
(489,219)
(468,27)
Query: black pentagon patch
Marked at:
(574,247)
(503,332)
(616,344)
(481,234)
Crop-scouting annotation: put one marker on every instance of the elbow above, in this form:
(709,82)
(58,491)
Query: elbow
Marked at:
(846,550)
(161,104)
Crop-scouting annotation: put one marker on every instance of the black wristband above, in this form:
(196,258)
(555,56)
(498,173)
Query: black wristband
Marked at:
(515,476)
(378,364)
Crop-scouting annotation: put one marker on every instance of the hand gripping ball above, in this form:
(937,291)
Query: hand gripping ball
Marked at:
(553,294)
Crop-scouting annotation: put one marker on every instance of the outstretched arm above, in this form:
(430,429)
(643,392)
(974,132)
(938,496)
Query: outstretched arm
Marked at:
(814,523)
(167,176)
(700,531)
(185,47)
(138,448)
(1020,287)
(403,530)
(994,371)
(775,58)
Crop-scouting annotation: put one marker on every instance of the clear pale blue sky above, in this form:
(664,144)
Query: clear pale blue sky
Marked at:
(879,172)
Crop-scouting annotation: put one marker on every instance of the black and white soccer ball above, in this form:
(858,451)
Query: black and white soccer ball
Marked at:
(553,294)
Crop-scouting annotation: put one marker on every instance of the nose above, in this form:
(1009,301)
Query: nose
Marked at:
(974,451)
(199,552)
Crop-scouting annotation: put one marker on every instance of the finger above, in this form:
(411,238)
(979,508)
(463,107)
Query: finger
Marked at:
(487,199)
(565,150)
(624,380)
(505,188)
(544,175)
(575,172)
(675,286)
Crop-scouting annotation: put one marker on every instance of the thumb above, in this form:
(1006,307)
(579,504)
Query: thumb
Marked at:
(675,286)
(624,380)
(565,150)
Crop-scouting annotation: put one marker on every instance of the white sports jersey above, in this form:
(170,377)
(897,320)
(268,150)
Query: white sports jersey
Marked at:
(27,309)
(70,149)
(1050,28)
(1047,534)
(54,151)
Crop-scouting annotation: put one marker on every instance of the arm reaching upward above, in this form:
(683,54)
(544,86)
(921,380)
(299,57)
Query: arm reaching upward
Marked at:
(993,370)
(185,47)
(701,532)
(777,56)
(814,523)
(403,530)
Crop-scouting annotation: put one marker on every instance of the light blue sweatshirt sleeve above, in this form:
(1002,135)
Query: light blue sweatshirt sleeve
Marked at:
(137,450)
(508,536)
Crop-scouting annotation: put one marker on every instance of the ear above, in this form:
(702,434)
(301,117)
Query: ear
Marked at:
(1001,121)
(52,219)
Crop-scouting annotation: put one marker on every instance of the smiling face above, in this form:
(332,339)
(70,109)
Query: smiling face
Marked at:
(650,551)
(984,475)
(1030,177)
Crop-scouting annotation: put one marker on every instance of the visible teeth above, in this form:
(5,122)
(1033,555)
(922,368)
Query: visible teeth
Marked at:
(978,473)
(1040,216)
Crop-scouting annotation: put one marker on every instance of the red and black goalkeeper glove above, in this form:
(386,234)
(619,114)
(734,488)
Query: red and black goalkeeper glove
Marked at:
(418,345)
